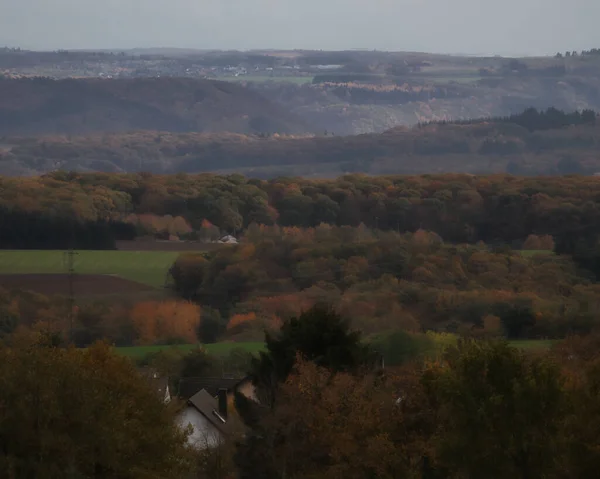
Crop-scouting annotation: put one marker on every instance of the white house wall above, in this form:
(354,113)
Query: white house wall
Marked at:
(204,434)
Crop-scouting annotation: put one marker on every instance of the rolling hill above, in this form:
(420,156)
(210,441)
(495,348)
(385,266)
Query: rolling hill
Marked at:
(34,106)
(492,146)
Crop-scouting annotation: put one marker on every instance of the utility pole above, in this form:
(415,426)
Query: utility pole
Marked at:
(70,263)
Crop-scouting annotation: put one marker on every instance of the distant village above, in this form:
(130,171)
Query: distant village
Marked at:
(66,64)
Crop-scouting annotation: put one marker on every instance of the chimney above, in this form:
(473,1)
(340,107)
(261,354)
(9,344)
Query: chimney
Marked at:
(222,397)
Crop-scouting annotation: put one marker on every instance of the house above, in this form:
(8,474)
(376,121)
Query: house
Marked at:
(206,411)
(158,382)
(228,239)
(208,418)
(212,385)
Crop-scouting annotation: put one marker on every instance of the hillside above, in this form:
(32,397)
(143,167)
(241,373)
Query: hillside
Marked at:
(33,106)
(355,108)
(492,146)
(346,92)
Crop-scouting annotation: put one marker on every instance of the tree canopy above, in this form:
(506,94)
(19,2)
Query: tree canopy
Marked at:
(72,413)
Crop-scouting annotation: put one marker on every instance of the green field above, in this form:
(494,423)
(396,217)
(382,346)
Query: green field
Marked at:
(147,267)
(217,349)
(224,348)
(532,344)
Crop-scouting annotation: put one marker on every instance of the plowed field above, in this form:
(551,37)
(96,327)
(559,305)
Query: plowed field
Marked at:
(83,284)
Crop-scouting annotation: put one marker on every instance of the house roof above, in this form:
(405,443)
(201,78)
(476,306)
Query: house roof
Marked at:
(208,406)
(190,386)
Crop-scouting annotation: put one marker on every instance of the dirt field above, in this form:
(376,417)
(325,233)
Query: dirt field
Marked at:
(83,284)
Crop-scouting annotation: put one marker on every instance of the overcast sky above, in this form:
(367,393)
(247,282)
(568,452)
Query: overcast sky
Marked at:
(506,27)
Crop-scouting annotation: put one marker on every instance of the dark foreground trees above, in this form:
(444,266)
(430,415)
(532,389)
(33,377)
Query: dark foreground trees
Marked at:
(498,413)
(66,413)
(484,409)
(319,335)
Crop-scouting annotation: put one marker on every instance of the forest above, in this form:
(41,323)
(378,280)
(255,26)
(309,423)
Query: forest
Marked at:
(490,256)
(77,106)
(533,142)
(501,209)
(384,282)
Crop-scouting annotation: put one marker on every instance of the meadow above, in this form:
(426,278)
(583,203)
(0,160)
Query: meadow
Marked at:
(225,347)
(146,267)
(216,349)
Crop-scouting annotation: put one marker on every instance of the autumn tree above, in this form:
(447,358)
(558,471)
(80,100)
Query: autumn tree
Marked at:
(83,413)
(330,425)
(165,321)
(498,413)
(319,335)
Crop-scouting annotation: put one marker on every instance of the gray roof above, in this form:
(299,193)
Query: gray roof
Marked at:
(190,386)
(208,406)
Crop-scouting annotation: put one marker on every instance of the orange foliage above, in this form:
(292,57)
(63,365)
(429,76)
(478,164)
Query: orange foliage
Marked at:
(158,321)
(160,224)
(240,320)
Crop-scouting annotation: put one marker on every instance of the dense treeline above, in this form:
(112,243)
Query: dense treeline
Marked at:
(534,120)
(460,208)
(387,281)
(530,143)
(33,230)
(372,95)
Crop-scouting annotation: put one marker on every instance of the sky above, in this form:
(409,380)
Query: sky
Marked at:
(502,27)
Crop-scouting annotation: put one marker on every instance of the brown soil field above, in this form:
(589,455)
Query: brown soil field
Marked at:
(166,246)
(83,284)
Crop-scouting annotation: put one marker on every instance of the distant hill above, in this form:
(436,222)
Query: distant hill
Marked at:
(33,106)
(532,143)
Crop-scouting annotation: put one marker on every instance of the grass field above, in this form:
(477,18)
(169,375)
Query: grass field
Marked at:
(147,267)
(224,348)
(532,344)
(217,349)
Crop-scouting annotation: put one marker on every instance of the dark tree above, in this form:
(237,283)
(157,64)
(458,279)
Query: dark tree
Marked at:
(320,335)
